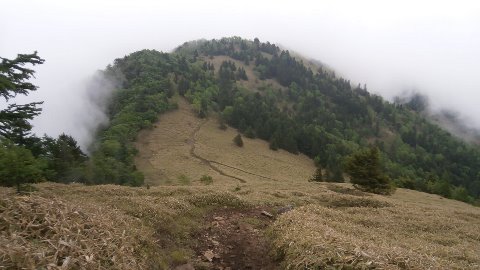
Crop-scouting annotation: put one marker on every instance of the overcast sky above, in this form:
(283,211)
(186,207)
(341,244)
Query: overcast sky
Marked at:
(392,46)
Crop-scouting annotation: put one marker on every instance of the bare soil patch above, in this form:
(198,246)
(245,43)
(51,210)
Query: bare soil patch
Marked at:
(234,239)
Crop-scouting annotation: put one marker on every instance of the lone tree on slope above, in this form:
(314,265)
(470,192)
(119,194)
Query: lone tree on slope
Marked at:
(238,140)
(317,176)
(364,169)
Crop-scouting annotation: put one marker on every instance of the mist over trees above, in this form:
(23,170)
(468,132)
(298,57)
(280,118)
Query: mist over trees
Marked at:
(145,84)
(26,158)
(448,119)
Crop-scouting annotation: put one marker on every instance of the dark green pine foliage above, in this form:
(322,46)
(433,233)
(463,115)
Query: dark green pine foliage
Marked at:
(317,176)
(238,140)
(365,172)
(14,76)
(18,166)
(144,85)
(65,160)
(17,163)
(241,74)
(250,133)
(336,175)
(330,119)
(26,158)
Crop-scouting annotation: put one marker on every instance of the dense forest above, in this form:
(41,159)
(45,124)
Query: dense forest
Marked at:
(313,112)
(326,118)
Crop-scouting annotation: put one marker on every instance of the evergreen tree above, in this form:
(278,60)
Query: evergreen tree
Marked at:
(461,194)
(238,140)
(221,124)
(256,41)
(250,133)
(241,74)
(14,78)
(365,172)
(18,166)
(336,176)
(441,187)
(274,142)
(317,176)
(65,159)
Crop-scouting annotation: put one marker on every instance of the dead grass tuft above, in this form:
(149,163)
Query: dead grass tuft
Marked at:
(50,233)
(217,199)
(357,202)
(346,190)
(317,237)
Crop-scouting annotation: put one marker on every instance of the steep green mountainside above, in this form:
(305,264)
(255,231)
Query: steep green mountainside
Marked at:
(311,111)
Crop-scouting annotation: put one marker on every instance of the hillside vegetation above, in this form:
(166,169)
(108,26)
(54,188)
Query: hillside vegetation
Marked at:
(181,148)
(267,93)
(217,144)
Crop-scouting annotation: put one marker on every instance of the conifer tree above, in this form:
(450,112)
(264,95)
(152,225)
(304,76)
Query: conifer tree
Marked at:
(317,176)
(250,133)
(336,175)
(238,140)
(14,78)
(365,172)
(18,166)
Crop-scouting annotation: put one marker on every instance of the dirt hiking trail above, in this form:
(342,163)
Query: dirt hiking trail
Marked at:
(234,239)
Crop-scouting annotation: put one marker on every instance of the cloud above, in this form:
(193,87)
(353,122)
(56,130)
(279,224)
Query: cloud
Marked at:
(392,46)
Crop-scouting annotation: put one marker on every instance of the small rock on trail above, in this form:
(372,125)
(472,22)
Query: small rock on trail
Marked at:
(267,214)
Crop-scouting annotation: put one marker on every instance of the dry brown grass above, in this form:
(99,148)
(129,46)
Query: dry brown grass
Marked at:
(254,157)
(103,227)
(164,154)
(39,232)
(331,225)
(164,151)
(398,237)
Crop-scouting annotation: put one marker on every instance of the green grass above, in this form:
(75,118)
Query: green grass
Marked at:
(206,179)
(184,180)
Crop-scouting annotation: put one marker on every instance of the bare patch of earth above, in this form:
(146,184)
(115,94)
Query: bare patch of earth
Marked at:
(234,239)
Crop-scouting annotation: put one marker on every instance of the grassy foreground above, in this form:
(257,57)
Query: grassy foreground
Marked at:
(116,227)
